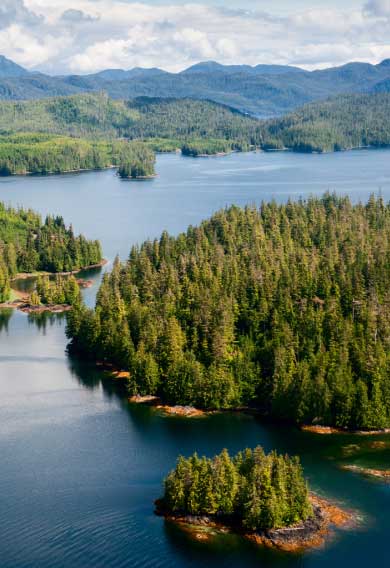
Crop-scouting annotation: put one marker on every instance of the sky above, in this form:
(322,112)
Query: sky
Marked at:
(85,36)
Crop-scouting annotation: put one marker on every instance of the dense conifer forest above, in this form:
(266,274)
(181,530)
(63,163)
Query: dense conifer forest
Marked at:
(60,290)
(256,490)
(27,244)
(44,154)
(197,127)
(342,123)
(284,308)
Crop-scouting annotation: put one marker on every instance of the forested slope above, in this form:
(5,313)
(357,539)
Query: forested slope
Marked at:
(28,244)
(198,127)
(97,115)
(284,308)
(38,153)
(342,123)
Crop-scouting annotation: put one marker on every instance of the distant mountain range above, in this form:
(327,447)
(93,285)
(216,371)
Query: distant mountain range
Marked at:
(264,90)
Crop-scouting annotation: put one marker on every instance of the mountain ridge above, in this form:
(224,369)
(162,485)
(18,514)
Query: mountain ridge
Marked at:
(264,91)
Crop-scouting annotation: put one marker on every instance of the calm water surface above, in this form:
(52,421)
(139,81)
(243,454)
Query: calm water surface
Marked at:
(80,467)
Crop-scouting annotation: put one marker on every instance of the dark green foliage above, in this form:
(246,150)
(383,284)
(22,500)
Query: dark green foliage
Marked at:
(61,290)
(285,307)
(45,154)
(197,127)
(27,245)
(342,123)
(256,490)
(138,163)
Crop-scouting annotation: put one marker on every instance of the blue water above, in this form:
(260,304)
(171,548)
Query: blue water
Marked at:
(79,466)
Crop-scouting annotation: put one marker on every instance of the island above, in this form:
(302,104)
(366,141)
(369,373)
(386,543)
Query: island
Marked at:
(263,497)
(48,251)
(281,309)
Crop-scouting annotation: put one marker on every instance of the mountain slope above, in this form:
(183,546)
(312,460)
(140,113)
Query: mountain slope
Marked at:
(264,91)
(10,69)
(340,123)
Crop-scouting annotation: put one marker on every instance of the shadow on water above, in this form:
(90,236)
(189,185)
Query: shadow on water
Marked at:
(5,316)
(226,550)
(46,320)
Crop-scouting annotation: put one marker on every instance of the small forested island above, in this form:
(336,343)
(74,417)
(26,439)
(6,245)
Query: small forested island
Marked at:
(281,308)
(28,245)
(264,497)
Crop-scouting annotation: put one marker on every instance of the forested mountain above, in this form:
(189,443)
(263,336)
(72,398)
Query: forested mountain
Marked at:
(38,153)
(262,90)
(28,244)
(255,490)
(283,307)
(342,123)
(202,127)
(97,115)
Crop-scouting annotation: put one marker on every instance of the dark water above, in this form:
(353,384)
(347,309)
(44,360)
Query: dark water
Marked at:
(79,467)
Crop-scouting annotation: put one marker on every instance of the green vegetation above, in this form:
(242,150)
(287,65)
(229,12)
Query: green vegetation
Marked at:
(284,308)
(61,290)
(211,147)
(98,116)
(28,245)
(139,163)
(342,123)
(255,490)
(87,131)
(44,153)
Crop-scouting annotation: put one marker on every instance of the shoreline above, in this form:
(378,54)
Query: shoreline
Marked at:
(188,411)
(27,275)
(308,534)
(331,430)
(21,302)
(382,474)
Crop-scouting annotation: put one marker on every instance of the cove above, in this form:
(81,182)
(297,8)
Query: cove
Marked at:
(80,467)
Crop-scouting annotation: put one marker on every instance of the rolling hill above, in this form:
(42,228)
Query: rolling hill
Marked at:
(264,90)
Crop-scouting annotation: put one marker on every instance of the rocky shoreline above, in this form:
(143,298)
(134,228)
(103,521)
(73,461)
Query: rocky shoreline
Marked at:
(383,474)
(323,430)
(22,301)
(309,534)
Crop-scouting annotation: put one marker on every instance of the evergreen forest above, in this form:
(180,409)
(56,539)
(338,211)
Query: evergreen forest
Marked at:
(254,490)
(47,154)
(284,308)
(27,244)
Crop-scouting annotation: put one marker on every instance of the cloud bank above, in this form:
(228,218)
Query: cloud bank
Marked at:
(85,36)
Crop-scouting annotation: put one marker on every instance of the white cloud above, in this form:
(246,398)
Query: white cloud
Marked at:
(82,36)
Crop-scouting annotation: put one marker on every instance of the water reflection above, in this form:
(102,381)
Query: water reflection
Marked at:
(5,316)
(44,320)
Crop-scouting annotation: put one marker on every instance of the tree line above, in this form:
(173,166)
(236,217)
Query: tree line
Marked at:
(255,490)
(284,308)
(35,153)
(27,244)
(201,126)
(60,290)
(340,123)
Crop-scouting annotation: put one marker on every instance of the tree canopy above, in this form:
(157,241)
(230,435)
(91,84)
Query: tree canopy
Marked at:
(27,244)
(258,491)
(282,307)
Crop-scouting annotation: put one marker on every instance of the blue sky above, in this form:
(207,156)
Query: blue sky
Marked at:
(84,36)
